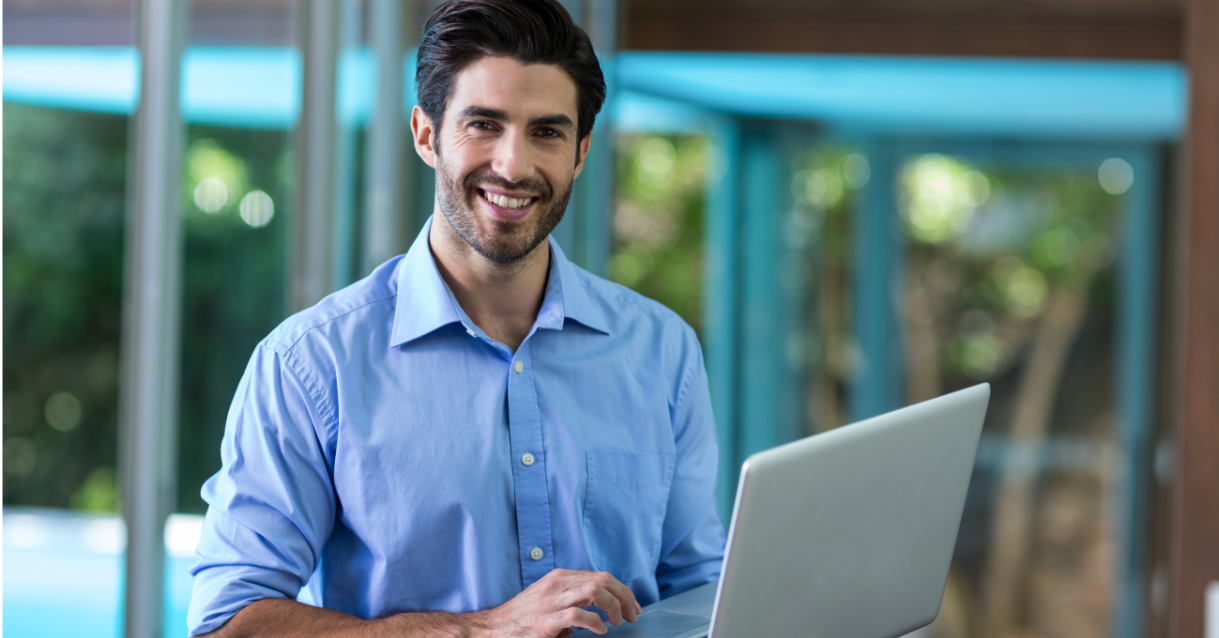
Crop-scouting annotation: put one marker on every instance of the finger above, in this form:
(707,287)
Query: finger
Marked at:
(629,606)
(575,617)
(591,592)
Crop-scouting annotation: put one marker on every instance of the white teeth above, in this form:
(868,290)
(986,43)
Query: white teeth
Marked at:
(506,202)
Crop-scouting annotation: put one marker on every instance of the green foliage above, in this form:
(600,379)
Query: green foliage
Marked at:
(658,249)
(990,247)
(99,493)
(64,186)
(233,280)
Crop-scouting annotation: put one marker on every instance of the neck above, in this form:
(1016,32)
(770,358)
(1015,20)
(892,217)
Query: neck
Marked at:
(502,299)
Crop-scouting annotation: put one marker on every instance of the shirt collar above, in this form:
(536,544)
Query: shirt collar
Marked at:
(425,303)
(572,293)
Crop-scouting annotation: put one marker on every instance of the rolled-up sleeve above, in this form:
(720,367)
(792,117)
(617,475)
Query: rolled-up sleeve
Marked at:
(693,536)
(271,506)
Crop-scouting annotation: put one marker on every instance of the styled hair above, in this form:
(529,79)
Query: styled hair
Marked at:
(461,32)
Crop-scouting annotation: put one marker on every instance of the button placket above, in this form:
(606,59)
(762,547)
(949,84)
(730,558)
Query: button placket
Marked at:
(529,475)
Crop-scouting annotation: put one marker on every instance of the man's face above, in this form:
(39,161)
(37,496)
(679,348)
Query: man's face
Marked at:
(506,155)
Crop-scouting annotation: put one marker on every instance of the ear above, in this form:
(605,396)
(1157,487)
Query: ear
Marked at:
(425,136)
(581,153)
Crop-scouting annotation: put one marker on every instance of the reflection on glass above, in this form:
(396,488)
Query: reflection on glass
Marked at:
(1010,281)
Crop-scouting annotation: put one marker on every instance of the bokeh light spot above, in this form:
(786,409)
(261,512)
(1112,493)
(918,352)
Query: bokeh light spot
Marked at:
(63,411)
(656,160)
(1115,176)
(1024,288)
(211,194)
(256,209)
(856,171)
(941,197)
(1057,247)
(982,355)
(819,187)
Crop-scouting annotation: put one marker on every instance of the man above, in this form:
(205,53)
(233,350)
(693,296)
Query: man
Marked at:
(479,438)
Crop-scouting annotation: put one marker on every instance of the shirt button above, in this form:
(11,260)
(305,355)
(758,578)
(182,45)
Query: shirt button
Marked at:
(518,366)
(536,553)
(527,459)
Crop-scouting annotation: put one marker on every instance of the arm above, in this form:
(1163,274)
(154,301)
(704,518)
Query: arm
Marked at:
(548,608)
(271,510)
(693,543)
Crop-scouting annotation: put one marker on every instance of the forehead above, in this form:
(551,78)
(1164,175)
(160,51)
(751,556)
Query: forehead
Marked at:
(521,90)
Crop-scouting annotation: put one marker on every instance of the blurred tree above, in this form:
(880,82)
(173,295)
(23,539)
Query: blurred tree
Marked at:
(235,190)
(658,220)
(824,184)
(64,185)
(1005,269)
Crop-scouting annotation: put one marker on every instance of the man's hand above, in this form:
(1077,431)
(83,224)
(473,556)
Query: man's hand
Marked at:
(552,606)
(546,609)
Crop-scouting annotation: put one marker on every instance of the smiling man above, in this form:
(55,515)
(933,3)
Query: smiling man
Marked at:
(479,438)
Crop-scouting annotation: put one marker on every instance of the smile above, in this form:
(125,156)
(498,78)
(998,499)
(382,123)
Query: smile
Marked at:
(506,202)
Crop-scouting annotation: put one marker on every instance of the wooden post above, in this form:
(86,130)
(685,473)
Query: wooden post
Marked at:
(1195,530)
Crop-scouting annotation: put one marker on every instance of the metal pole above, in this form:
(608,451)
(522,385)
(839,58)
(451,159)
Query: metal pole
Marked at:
(310,266)
(878,262)
(151,313)
(389,179)
(567,232)
(721,303)
(1136,327)
(761,302)
(601,21)
(343,240)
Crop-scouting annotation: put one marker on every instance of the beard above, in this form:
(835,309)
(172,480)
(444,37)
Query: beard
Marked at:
(499,241)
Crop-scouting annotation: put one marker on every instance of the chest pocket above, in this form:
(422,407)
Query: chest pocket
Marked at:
(624,510)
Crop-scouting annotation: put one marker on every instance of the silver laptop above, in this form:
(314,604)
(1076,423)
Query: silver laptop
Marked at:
(846,534)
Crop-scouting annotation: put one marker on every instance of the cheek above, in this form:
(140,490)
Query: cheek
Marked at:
(558,166)
(464,151)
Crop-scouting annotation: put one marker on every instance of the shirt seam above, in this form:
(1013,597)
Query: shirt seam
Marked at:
(313,393)
(304,334)
(686,381)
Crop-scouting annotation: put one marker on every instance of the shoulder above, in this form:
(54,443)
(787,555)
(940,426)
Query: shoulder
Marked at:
(361,310)
(623,307)
(643,325)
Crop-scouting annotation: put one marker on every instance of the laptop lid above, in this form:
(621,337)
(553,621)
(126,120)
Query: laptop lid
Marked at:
(850,533)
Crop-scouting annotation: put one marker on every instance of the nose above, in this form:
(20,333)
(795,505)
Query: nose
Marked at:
(512,160)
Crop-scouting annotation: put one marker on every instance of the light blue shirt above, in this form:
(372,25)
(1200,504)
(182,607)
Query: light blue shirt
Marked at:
(385,454)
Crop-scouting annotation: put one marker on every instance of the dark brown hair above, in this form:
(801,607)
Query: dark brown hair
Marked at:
(461,32)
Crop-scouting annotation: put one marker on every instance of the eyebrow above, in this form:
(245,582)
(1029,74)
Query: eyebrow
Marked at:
(552,120)
(482,111)
(558,119)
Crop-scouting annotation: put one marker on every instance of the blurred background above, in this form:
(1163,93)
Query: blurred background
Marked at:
(857,206)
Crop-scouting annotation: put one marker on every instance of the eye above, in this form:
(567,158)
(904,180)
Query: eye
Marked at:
(482,125)
(549,132)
